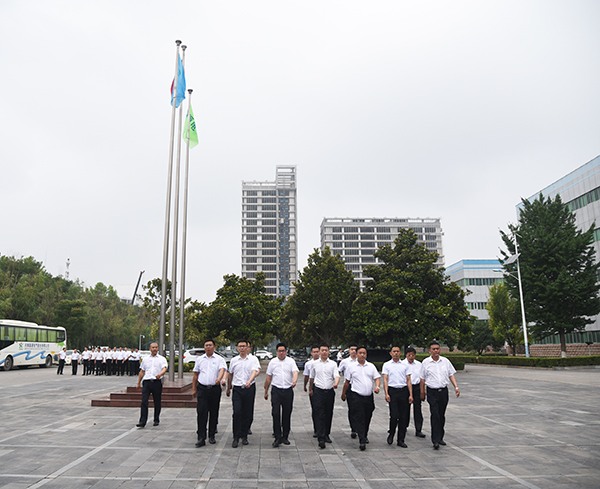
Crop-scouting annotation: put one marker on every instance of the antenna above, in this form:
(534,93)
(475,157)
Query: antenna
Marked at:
(67,272)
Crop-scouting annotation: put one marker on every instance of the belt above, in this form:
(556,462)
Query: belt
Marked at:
(282,388)
(439,389)
(398,388)
(207,386)
(151,380)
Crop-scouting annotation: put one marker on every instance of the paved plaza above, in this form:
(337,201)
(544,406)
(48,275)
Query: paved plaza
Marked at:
(510,428)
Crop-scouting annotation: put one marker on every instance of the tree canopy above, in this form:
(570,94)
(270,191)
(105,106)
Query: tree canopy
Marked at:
(505,316)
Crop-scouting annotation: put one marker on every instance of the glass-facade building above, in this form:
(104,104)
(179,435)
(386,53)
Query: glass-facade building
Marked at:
(269,225)
(357,239)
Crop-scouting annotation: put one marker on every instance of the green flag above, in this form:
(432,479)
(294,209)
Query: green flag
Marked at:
(192,125)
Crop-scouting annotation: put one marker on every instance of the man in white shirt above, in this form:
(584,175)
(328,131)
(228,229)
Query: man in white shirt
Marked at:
(282,376)
(243,371)
(436,373)
(62,356)
(414,367)
(324,378)
(359,378)
(75,356)
(346,364)
(136,362)
(85,357)
(397,385)
(123,362)
(98,361)
(151,372)
(104,355)
(314,352)
(208,372)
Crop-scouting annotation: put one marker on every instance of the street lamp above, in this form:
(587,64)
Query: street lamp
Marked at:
(141,336)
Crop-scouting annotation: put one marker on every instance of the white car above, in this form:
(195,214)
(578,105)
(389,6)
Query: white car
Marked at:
(263,354)
(190,356)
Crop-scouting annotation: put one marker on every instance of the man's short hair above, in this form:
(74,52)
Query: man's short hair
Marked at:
(279,345)
(434,342)
(314,346)
(209,339)
(242,341)
(395,346)
(410,349)
(352,344)
(323,345)
(362,348)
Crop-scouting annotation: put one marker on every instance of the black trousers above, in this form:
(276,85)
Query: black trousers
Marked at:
(282,401)
(243,409)
(349,398)
(399,411)
(130,369)
(209,399)
(323,409)
(109,364)
(438,401)
(74,366)
(97,365)
(313,414)
(122,365)
(153,387)
(361,410)
(86,366)
(417,412)
(61,366)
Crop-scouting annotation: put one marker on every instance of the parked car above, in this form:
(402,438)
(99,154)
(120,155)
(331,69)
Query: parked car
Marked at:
(263,354)
(299,356)
(190,356)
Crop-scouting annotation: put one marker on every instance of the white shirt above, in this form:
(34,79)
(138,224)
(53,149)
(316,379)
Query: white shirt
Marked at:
(362,377)
(86,355)
(242,368)
(104,356)
(136,355)
(62,355)
(282,372)
(437,374)
(346,364)
(75,356)
(414,370)
(307,367)
(119,355)
(208,368)
(152,366)
(396,372)
(324,373)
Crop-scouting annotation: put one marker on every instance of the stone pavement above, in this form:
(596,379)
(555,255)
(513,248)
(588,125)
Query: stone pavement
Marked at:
(510,428)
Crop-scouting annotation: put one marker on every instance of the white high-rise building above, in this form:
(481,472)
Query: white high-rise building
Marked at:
(357,239)
(269,225)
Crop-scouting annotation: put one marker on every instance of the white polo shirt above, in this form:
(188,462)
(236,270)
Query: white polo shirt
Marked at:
(362,377)
(208,368)
(242,368)
(414,369)
(307,367)
(396,372)
(346,364)
(437,374)
(324,373)
(86,355)
(282,372)
(152,366)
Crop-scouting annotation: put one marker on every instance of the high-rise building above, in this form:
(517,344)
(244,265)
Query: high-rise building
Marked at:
(269,237)
(357,239)
(476,276)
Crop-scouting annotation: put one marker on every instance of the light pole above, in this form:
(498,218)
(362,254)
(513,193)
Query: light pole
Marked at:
(141,336)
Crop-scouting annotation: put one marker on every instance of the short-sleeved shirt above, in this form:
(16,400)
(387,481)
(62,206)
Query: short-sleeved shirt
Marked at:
(307,367)
(242,368)
(437,374)
(62,355)
(396,372)
(324,373)
(208,368)
(282,372)
(86,355)
(152,366)
(346,364)
(75,356)
(362,377)
(414,369)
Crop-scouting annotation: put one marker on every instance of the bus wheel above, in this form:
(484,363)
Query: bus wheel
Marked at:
(8,363)
(48,363)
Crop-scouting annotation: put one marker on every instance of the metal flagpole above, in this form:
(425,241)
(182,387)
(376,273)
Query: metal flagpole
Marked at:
(163,293)
(175,233)
(184,237)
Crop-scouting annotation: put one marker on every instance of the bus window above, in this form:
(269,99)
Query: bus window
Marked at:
(43,335)
(20,334)
(31,334)
(9,333)
(60,336)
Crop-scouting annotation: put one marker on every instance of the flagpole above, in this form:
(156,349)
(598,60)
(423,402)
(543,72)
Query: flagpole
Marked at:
(175,235)
(163,293)
(184,236)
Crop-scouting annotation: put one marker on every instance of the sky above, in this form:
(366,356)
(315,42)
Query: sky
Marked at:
(452,110)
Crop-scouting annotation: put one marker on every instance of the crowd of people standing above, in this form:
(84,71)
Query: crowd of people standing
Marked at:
(102,361)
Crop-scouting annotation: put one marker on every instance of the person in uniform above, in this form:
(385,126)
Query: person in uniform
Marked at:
(75,356)
(314,352)
(206,386)
(85,357)
(98,361)
(123,361)
(151,372)
(62,355)
(324,378)
(360,377)
(243,371)
(398,389)
(104,357)
(345,365)
(436,373)
(136,362)
(414,368)
(282,376)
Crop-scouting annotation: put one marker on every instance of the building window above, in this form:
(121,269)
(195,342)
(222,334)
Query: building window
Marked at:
(384,230)
(251,252)
(252,260)
(269,259)
(350,252)
(367,244)
(251,208)
(269,207)
(269,267)
(251,267)
(369,237)
(337,237)
(268,252)
(350,245)
(351,230)
(351,237)
(269,244)
(251,214)
(252,237)
(250,245)
(337,230)
(384,237)
(366,252)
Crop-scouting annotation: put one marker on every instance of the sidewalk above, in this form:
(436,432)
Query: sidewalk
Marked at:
(510,428)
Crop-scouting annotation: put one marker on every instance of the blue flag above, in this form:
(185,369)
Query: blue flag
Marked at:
(180,86)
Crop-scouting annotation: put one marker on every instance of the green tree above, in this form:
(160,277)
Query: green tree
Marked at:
(321,307)
(505,316)
(558,269)
(480,338)
(409,300)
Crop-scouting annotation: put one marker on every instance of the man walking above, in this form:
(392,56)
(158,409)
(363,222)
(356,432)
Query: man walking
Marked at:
(208,372)
(243,371)
(62,356)
(314,352)
(414,368)
(436,373)
(282,375)
(346,364)
(324,378)
(151,372)
(398,389)
(360,378)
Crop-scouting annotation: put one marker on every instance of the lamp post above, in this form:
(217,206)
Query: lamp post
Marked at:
(140,346)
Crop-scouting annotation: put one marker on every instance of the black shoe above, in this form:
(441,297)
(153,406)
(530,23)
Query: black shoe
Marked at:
(216,431)
(390,439)
(366,440)
(200,443)
(419,434)
(353,434)
(141,425)
(273,435)
(401,444)
(285,441)
(249,432)
(362,447)
(245,440)
(315,434)
(327,439)
(436,446)
(234,443)
(275,443)
(211,440)
(321,444)
(156,423)
(442,442)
